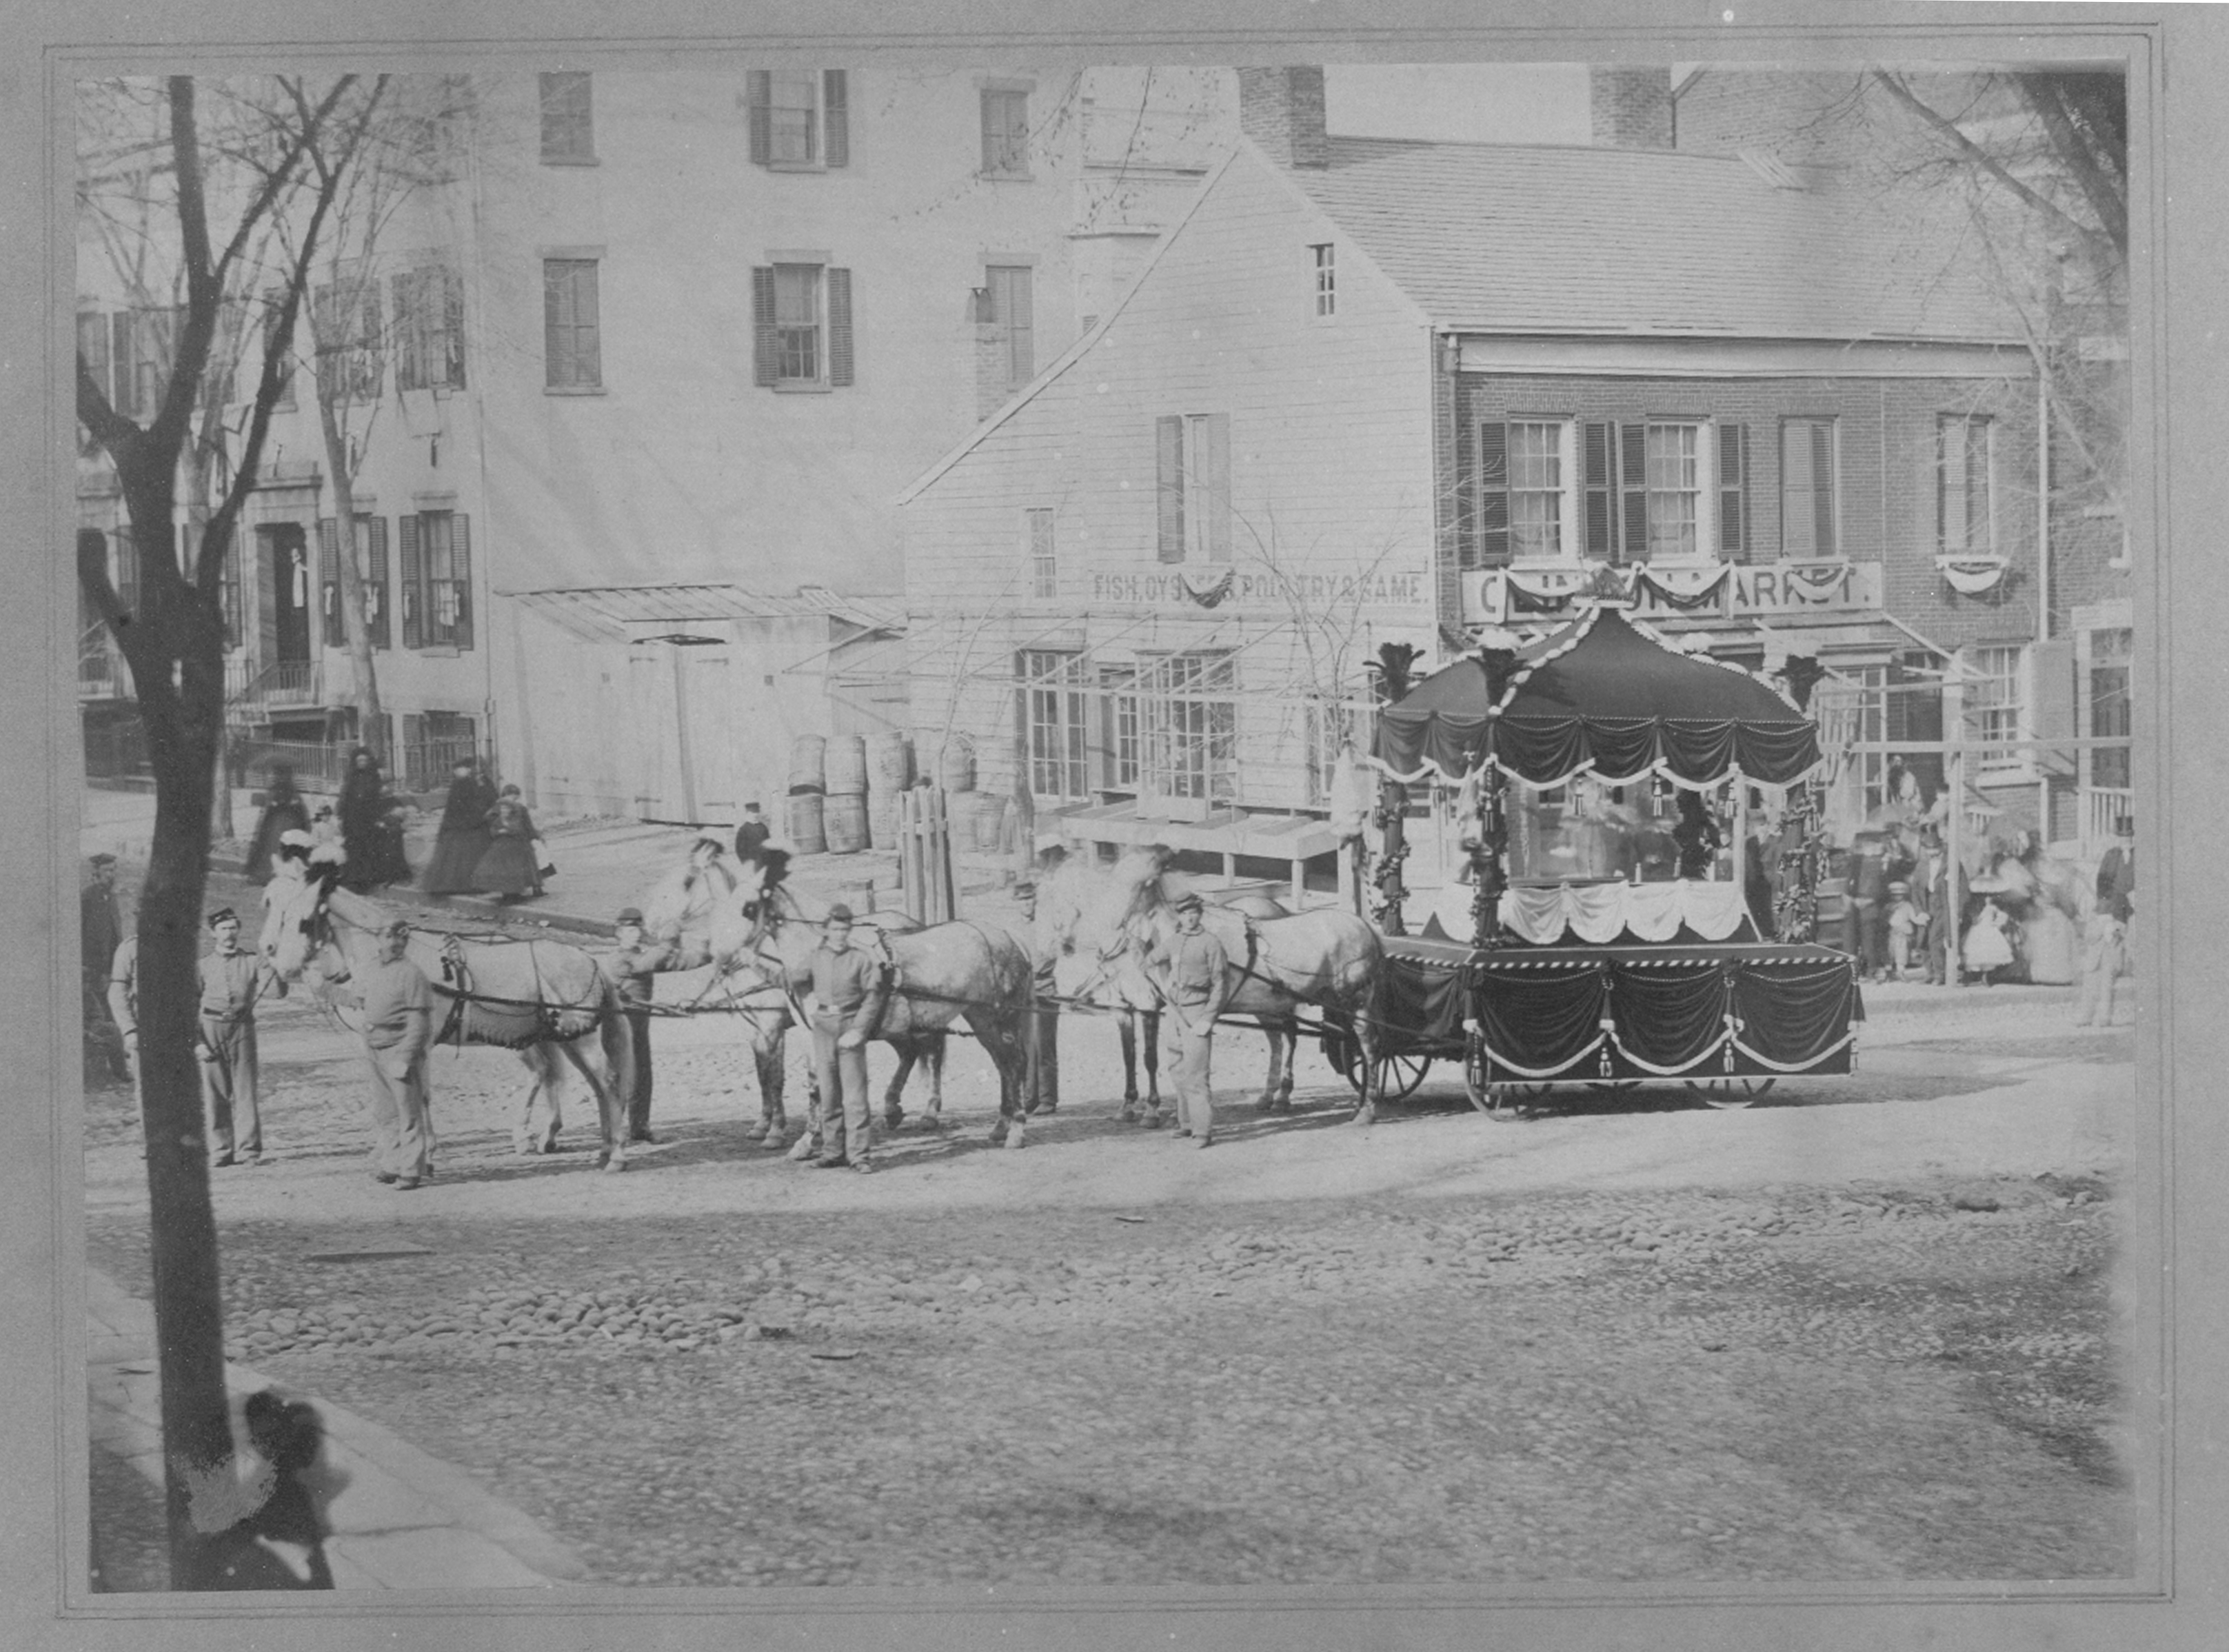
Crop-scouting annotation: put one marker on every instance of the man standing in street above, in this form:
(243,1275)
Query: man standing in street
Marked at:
(846,1003)
(101,930)
(123,1003)
(231,980)
(1198,988)
(398,1030)
(1041,1087)
(632,966)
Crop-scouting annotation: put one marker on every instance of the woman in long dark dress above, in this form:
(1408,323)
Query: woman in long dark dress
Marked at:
(372,840)
(283,812)
(464,835)
(507,869)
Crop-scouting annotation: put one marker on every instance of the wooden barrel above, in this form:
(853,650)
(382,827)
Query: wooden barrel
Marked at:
(807,755)
(845,766)
(807,835)
(955,769)
(845,817)
(890,764)
(990,821)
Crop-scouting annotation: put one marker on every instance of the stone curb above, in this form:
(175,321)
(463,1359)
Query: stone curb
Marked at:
(406,1520)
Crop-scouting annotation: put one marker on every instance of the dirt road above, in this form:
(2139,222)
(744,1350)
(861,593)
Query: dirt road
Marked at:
(1863,1333)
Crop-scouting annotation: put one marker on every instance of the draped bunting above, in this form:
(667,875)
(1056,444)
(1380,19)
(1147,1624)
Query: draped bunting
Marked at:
(1971,576)
(1603,697)
(1600,913)
(1730,1010)
(1675,591)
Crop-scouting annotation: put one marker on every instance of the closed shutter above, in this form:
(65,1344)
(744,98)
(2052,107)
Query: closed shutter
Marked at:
(1733,491)
(414,581)
(1598,480)
(836,117)
(450,370)
(124,388)
(92,350)
(329,570)
(758,96)
(840,326)
(765,362)
(379,593)
(1021,327)
(1168,434)
(1633,479)
(371,330)
(412,765)
(1215,485)
(460,569)
(267,552)
(1824,483)
(1492,493)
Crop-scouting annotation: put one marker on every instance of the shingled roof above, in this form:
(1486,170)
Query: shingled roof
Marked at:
(1539,238)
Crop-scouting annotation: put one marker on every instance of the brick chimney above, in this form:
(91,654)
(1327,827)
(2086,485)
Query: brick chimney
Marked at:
(1631,105)
(1282,110)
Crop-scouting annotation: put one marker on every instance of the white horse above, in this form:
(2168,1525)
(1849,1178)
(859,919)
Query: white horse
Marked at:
(541,999)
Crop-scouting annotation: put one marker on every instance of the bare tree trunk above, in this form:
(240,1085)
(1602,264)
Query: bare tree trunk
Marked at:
(183,724)
(370,718)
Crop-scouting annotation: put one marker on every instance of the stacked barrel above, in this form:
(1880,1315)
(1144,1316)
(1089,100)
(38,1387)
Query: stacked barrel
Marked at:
(844,813)
(808,786)
(890,774)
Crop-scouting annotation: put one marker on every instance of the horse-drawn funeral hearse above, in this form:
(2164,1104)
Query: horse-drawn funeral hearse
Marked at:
(1640,848)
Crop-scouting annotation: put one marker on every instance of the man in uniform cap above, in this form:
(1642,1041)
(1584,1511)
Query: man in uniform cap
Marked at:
(632,965)
(846,1003)
(398,1031)
(232,978)
(1041,1086)
(1198,987)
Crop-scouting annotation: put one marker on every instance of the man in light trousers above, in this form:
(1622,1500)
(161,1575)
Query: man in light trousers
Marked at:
(232,978)
(1198,988)
(398,1031)
(845,1006)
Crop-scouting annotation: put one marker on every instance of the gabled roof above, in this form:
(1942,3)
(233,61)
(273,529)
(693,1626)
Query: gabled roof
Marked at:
(605,612)
(1539,238)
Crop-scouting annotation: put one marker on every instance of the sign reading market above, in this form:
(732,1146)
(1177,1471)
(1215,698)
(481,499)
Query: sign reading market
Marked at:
(1507,595)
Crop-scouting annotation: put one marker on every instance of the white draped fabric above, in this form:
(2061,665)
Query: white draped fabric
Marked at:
(1597,912)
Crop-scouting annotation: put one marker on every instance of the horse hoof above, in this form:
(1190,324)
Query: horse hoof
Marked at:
(894,1118)
(1128,1115)
(998,1132)
(614,1164)
(1014,1135)
(1363,1116)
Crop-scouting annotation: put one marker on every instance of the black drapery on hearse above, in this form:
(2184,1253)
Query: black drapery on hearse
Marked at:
(1604,698)
(1603,978)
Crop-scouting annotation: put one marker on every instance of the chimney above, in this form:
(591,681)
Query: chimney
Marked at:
(1632,105)
(1282,110)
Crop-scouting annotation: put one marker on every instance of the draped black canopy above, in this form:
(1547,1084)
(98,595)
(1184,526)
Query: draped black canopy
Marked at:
(1604,698)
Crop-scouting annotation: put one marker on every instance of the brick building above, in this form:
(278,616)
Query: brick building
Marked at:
(1374,391)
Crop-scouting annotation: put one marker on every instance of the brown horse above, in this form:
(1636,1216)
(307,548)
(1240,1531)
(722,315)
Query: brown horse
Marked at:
(1331,960)
(1066,889)
(941,975)
(541,999)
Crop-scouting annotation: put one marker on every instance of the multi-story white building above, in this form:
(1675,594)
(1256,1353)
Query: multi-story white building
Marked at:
(644,355)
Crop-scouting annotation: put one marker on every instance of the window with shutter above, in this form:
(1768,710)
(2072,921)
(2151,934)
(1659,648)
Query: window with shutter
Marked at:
(1005,132)
(460,578)
(567,119)
(1733,491)
(1169,488)
(451,364)
(93,340)
(1044,569)
(572,351)
(279,342)
(1535,449)
(372,537)
(1008,298)
(836,116)
(765,368)
(410,331)
(413,580)
(1964,525)
(840,326)
(1807,487)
